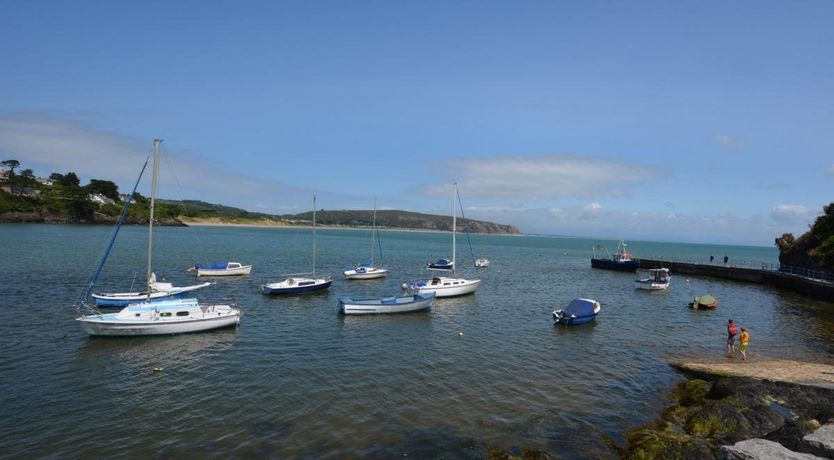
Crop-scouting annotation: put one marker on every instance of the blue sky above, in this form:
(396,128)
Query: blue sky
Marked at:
(676,121)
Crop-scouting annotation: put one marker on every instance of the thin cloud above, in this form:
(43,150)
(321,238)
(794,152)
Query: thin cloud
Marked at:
(789,213)
(547,177)
(732,143)
(46,143)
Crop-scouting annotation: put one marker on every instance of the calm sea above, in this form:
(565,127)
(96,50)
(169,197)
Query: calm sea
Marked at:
(296,380)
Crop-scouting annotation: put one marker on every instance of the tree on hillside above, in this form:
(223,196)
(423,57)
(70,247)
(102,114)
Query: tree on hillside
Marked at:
(70,180)
(10,177)
(104,188)
(26,178)
(10,165)
(56,178)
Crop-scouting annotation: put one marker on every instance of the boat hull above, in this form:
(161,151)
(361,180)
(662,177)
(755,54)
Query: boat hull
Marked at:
(577,320)
(368,274)
(371,306)
(160,318)
(284,288)
(123,299)
(443,287)
(652,286)
(608,264)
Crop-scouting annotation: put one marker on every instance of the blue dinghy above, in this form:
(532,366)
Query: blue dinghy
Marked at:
(579,311)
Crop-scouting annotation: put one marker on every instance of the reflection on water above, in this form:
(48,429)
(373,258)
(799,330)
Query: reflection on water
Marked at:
(296,379)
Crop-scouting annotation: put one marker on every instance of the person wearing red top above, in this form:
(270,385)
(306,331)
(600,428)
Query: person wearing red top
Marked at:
(732,330)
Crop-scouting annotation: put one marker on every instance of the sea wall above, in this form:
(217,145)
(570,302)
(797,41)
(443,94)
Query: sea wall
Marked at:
(815,289)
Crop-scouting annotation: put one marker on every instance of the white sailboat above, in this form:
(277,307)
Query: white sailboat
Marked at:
(445,286)
(366,270)
(300,283)
(172,316)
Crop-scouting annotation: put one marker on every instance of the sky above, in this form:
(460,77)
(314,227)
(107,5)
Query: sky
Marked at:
(704,122)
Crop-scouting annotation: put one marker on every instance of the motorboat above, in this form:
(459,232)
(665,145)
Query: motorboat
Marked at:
(222,269)
(658,279)
(578,311)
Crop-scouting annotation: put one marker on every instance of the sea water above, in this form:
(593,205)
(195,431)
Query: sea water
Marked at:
(296,380)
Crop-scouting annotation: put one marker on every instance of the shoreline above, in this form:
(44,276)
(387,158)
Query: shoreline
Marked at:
(731,408)
(276,224)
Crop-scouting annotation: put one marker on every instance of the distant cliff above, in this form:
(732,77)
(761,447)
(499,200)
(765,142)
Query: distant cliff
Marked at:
(401,220)
(815,248)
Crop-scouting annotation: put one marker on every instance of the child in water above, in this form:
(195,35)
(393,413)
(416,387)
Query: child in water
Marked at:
(743,341)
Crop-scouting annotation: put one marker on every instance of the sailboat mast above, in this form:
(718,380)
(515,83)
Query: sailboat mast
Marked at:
(373,229)
(454,224)
(314,234)
(154,172)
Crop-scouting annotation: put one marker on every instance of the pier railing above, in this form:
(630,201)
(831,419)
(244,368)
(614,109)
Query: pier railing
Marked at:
(718,262)
(804,272)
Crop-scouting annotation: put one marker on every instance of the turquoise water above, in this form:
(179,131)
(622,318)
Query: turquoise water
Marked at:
(295,380)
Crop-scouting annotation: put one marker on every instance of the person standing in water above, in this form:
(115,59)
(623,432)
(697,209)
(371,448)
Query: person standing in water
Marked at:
(742,343)
(732,330)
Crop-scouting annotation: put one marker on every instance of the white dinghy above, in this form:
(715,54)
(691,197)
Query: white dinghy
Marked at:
(379,305)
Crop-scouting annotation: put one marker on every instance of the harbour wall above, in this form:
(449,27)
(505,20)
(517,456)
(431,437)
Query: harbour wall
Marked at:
(815,289)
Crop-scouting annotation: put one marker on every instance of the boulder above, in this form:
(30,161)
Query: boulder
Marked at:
(761,449)
(821,441)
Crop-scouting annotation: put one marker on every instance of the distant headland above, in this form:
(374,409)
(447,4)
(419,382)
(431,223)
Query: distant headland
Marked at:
(61,199)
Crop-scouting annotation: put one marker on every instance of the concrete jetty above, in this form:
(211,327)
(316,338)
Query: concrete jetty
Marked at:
(816,289)
(778,370)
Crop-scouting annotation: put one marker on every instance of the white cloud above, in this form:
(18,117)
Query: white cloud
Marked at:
(730,142)
(547,176)
(789,213)
(593,208)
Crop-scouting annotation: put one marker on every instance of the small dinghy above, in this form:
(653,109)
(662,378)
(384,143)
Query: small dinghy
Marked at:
(706,302)
(376,305)
(579,311)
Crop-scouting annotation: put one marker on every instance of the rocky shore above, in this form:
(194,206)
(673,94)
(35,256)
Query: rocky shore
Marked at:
(721,415)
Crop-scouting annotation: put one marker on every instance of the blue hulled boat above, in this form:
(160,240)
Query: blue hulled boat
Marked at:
(579,311)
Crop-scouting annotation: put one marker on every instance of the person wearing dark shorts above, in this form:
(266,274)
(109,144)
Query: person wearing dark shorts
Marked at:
(732,331)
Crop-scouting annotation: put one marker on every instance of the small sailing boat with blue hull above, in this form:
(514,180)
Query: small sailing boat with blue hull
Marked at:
(300,283)
(169,316)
